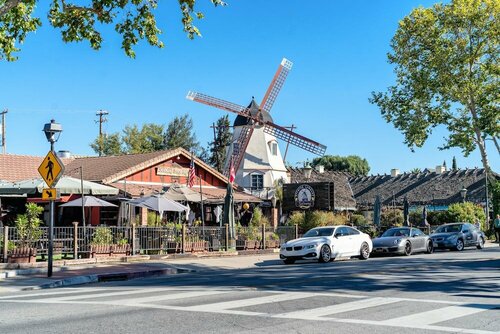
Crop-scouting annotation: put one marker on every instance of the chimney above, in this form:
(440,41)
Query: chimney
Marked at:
(394,172)
(64,154)
(320,169)
(440,169)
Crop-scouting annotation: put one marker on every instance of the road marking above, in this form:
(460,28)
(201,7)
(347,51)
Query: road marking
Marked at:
(314,313)
(180,295)
(105,294)
(276,298)
(440,315)
(59,292)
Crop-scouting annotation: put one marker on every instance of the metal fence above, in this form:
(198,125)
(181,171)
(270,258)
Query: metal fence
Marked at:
(147,240)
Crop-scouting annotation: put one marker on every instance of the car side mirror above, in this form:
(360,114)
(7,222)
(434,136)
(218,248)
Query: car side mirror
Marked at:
(337,235)
(466,231)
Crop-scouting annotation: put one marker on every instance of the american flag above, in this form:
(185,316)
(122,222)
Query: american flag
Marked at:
(192,173)
(232,174)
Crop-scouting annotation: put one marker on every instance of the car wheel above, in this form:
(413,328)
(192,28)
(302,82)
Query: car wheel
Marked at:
(430,247)
(364,251)
(460,245)
(407,248)
(480,243)
(289,261)
(325,254)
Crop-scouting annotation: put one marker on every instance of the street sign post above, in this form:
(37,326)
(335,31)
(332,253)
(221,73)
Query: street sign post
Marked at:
(51,169)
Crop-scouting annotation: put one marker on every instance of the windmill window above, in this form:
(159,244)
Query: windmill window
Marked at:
(257,181)
(273,147)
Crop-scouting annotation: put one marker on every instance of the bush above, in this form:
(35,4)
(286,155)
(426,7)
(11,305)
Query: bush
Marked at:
(392,217)
(358,220)
(28,225)
(467,212)
(102,236)
(311,219)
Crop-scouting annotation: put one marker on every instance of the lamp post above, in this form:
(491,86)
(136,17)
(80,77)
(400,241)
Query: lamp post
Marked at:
(463,193)
(307,170)
(52,131)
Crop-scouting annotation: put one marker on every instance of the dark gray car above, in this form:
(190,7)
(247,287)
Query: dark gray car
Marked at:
(402,240)
(457,236)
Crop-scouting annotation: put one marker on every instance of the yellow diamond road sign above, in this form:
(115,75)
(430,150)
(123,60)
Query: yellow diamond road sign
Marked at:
(51,169)
(49,194)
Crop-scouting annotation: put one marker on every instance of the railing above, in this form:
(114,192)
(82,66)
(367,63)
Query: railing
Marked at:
(148,240)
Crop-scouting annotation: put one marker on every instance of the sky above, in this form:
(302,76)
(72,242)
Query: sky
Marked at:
(338,49)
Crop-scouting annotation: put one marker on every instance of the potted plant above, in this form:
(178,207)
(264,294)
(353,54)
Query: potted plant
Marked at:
(101,243)
(29,232)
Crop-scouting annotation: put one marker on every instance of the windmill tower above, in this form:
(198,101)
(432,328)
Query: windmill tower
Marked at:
(254,153)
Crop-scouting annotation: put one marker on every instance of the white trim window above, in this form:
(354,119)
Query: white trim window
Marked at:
(257,181)
(273,147)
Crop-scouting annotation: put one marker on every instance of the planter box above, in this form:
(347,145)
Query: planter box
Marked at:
(22,255)
(120,250)
(109,250)
(200,246)
(272,243)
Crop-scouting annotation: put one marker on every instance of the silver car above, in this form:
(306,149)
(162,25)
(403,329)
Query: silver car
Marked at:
(403,240)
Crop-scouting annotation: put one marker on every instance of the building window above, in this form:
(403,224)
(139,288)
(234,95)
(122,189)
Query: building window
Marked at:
(236,148)
(273,147)
(257,181)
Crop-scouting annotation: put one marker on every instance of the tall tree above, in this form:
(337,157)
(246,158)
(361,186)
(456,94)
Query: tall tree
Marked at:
(149,138)
(352,164)
(454,163)
(108,144)
(134,20)
(180,133)
(446,65)
(218,147)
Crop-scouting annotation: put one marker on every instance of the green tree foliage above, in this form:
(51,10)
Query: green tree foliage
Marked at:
(180,133)
(28,225)
(446,65)
(495,197)
(391,217)
(134,20)
(454,164)
(352,164)
(149,138)
(102,236)
(218,148)
(416,170)
(310,219)
(467,212)
(108,144)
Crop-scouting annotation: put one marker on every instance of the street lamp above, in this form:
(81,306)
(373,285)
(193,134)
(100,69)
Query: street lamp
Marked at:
(307,170)
(52,131)
(273,200)
(463,193)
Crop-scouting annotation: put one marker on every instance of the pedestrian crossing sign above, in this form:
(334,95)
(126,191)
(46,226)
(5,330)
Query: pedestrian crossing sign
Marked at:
(51,169)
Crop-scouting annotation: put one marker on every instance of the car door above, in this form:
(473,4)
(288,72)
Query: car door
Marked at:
(468,232)
(341,241)
(355,240)
(418,239)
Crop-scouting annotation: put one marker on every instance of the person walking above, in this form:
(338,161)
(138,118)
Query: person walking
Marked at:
(496,226)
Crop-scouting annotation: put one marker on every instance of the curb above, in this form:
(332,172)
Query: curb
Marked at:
(124,276)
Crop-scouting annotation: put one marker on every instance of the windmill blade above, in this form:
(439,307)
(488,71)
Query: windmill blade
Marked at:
(294,138)
(239,152)
(217,103)
(276,84)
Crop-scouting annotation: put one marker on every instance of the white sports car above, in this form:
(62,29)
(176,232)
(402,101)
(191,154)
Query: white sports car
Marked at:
(326,243)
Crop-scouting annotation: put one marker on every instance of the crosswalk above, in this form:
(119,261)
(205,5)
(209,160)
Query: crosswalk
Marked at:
(424,314)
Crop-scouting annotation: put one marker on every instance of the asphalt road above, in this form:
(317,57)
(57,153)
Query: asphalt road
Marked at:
(446,292)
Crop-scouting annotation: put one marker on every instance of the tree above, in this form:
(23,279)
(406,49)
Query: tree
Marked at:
(180,134)
(446,65)
(108,144)
(352,164)
(416,170)
(134,20)
(454,163)
(218,148)
(149,138)
(28,225)
(467,212)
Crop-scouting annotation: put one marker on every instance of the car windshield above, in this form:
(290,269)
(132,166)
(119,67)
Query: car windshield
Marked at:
(397,232)
(319,232)
(449,228)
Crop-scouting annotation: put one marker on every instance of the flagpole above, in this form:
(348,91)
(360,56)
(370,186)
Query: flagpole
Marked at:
(202,211)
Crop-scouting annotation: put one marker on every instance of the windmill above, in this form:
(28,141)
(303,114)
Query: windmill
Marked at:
(254,128)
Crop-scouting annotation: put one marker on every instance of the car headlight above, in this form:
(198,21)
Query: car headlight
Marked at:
(397,241)
(311,246)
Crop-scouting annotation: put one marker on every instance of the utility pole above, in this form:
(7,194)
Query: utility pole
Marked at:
(4,146)
(102,119)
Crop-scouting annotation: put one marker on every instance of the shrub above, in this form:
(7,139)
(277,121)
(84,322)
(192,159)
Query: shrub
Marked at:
(358,220)
(153,218)
(28,225)
(467,212)
(311,219)
(102,236)
(122,242)
(391,217)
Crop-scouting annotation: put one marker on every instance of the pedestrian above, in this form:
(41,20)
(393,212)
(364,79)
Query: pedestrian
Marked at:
(496,226)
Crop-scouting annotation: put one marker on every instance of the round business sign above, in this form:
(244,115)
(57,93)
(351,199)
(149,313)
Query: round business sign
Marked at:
(304,196)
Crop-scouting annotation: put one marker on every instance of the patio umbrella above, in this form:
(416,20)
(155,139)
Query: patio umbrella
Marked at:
(376,211)
(424,217)
(66,185)
(406,212)
(228,217)
(158,203)
(179,192)
(88,201)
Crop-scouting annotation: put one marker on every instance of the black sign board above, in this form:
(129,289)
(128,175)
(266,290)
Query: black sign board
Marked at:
(308,196)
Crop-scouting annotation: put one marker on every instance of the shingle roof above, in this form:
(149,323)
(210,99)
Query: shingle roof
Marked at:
(421,188)
(344,199)
(21,167)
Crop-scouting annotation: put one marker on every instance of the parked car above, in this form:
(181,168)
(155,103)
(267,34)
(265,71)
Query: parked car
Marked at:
(326,243)
(457,236)
(403,240)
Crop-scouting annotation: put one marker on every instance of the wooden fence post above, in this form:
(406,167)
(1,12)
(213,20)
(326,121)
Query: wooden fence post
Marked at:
(75,240)
(133,239)
(226,237)
(296,231)
(183,239)
(263,236)
(5,243)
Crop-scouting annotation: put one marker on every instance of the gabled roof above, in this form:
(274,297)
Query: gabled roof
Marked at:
(15,167)
(110,169)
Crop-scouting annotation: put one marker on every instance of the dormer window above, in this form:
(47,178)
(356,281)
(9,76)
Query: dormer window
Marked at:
(273,147)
